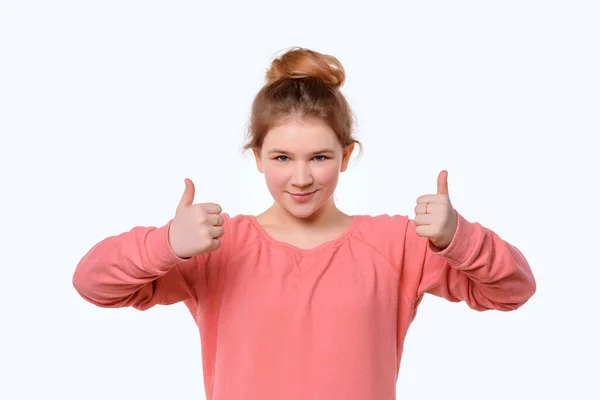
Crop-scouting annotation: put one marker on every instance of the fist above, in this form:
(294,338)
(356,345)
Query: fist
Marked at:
(196,228)
(435,218)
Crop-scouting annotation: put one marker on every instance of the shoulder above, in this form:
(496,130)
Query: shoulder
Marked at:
(241,222)
(240,231)
(382,225)
(383,233)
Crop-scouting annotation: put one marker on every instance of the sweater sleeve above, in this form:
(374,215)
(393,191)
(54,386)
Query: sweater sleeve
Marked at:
(477,267)
(138,269)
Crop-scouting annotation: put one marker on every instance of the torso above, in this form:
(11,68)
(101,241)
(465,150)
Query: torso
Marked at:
(303,315)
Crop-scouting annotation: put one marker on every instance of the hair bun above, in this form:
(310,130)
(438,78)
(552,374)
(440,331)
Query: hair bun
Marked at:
(304,63)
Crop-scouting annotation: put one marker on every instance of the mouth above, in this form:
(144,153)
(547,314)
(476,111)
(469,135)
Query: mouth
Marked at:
(303,196)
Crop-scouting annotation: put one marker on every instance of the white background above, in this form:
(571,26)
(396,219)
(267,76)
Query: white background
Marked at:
(105,108)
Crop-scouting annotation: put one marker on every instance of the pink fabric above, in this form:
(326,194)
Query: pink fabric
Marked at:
(278,322)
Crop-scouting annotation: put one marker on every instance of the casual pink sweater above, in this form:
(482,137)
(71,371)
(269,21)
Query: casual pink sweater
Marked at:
(278,322)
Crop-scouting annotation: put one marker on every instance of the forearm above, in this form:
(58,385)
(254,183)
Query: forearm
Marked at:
(120,269)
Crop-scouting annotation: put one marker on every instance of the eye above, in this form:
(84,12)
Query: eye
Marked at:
(321,158)
(281,158)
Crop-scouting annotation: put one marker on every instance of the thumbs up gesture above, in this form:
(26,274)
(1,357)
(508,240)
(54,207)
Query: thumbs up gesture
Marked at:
(196,228)
(435,217)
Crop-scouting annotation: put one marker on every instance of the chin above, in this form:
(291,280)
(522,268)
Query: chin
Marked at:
(302,211)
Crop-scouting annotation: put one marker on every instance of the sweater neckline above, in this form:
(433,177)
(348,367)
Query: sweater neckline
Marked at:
(323,246)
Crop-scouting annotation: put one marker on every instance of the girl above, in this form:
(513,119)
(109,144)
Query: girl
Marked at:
(304,301)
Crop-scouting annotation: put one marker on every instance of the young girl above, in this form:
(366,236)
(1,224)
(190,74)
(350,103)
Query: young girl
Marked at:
(304,301)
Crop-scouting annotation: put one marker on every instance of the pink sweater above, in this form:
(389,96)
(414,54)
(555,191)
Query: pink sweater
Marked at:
(278,322)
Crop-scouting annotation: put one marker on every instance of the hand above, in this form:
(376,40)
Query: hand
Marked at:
(435,217)
(196,228)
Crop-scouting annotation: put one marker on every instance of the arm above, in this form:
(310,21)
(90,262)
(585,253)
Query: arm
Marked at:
(477,267)
(139,269)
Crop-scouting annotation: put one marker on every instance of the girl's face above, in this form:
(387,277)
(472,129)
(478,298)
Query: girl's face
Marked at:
(301,162)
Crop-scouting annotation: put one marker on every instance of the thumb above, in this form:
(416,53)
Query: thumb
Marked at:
(442,183)
(188,194)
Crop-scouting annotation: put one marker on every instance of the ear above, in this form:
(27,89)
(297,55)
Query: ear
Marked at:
(347,152)
(258,160)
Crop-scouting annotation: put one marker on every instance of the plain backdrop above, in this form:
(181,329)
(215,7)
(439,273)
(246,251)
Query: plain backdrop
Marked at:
(105,108)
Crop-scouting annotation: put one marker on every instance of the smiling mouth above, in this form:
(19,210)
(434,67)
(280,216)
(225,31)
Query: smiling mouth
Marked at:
(303,197)
(302,194)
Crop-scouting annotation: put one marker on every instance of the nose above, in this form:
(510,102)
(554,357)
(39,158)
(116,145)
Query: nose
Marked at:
(301,176)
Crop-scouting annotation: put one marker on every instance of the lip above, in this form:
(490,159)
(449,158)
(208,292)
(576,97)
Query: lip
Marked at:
(302,194)
(302,197)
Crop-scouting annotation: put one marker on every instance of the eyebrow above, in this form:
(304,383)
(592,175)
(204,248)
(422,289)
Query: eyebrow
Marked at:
(323,151)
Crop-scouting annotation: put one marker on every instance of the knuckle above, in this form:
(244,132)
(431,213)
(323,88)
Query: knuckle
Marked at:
(204,232)
(203,218)
(206,242)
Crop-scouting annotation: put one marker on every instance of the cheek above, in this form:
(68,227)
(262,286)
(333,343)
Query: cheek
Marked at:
(275,177)
(327,176)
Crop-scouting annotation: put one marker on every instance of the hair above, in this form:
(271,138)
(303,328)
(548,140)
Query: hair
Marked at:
(301,84)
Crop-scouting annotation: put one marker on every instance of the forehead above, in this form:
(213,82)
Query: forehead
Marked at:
(301,136)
